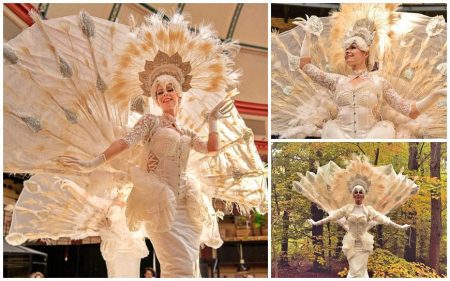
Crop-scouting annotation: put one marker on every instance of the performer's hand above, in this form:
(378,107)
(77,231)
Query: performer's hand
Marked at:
(405,226)
(222,110)
(311,222)
(81,165)
(311,25)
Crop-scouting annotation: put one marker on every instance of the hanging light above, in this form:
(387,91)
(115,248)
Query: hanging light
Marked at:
(66,254)
(241,267)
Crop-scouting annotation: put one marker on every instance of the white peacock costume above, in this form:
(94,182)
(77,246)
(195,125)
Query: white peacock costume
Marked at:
(71,86)
(319,100)
(331,190)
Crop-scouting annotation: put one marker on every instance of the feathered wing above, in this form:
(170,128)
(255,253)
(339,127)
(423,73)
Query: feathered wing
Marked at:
(51,207)
(415,65)
(411,52)
(55,76)
(236,174)
(299,106)
(330,188)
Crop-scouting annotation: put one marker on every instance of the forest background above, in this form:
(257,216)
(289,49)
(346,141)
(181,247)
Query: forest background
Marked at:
(298,250)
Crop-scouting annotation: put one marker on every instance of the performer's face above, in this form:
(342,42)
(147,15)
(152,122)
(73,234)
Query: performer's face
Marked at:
(166,96)
(358,195)
(354,56)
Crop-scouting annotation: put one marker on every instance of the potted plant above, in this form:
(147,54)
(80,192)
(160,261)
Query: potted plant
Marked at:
(242,226)
(257,223)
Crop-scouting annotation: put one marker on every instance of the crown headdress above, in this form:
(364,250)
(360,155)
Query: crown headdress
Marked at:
(163,64)
(359,180)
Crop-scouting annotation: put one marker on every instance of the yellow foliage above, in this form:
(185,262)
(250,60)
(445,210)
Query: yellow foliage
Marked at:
(384,264)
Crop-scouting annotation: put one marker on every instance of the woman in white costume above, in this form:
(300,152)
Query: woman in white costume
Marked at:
(171,218)
(77,103)
(366,71)
(383,190)
(358,96)
(358,243)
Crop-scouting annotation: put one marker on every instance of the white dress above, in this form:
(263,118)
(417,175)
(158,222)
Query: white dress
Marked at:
(358,105)
(176,214)
(358,242)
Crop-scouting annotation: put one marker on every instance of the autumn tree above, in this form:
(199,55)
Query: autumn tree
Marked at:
(436,208)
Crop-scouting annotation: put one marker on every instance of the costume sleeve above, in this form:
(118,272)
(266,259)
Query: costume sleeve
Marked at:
(380,218)
(325,79)
(334,215)
(197,143)
(142,128)
(395,100)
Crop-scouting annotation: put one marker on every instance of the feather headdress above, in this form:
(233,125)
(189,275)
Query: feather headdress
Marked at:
(368,25)
(198,59)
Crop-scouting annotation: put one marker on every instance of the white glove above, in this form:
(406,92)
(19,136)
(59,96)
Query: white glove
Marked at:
(311,25)
(222,110)
(81,165)
(428,101)
(311,222)
(405,226)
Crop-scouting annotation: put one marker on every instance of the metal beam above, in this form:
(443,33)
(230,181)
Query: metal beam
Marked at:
(251,46)
(180,7)
(234,20)
(114,12)
(312,5)
(43,10)
(423,8)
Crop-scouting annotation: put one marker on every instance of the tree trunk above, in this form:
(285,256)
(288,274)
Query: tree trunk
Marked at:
(411,245)
(284,261)
(317,234)
(275,195)
(317,231)
(379,240)
(436,209)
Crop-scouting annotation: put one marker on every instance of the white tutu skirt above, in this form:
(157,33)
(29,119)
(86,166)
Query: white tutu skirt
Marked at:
(176,225)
